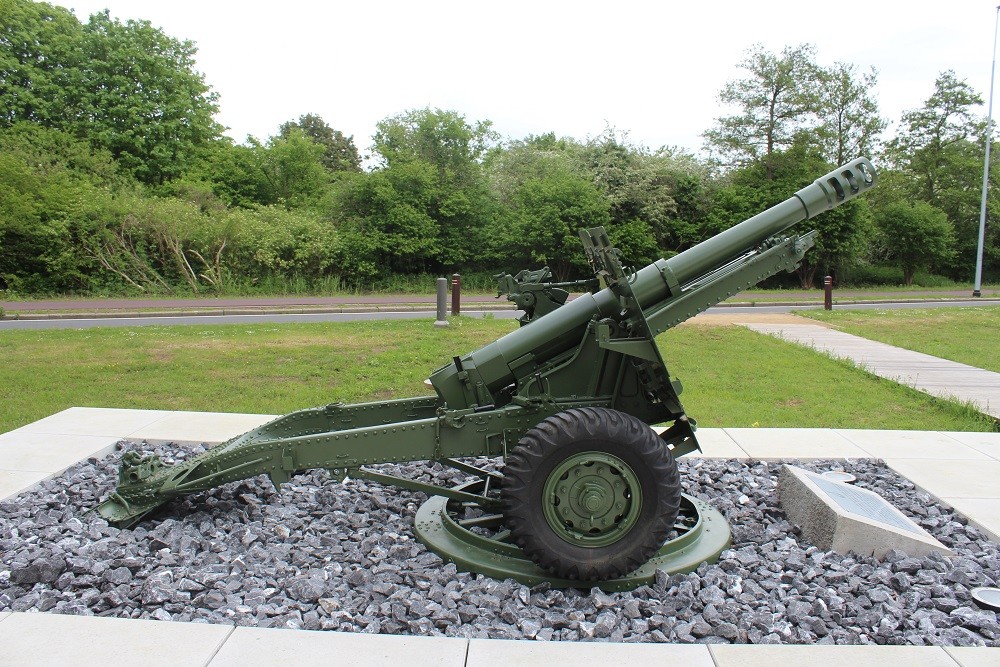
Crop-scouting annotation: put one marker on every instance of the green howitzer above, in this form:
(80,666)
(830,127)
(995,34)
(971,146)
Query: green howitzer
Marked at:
(589,492)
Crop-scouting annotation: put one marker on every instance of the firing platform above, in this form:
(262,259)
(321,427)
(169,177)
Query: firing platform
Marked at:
(959,469)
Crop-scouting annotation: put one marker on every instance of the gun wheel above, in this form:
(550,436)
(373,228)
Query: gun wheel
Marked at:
(590,493)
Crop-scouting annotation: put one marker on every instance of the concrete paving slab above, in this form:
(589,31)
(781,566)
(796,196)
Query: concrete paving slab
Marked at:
(974,656)
(94,421)
(737,655)
(489,652)
(717,444)
(208,427)
(91,641)
(911,445)
(951,479)
(984,513)
(4,615)
(267,647)
(795,443)
(14,482)
(43,452)
(987,443)
(932,375)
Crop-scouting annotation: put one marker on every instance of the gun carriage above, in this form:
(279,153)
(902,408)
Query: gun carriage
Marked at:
(589,493)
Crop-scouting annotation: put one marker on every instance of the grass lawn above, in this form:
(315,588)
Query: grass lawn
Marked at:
(966,335)
(733,377)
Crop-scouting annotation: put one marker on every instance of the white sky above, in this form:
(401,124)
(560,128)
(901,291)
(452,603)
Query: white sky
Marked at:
(652,69)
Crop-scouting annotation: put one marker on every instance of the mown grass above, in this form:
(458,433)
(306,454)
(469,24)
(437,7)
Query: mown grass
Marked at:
(733,377)
(966,335)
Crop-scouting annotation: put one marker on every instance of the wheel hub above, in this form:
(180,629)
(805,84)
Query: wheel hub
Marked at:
(591,499)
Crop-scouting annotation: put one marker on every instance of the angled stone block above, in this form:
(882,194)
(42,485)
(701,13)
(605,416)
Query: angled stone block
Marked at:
(843,518)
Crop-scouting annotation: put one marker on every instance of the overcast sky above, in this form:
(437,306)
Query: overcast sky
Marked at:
(651,69)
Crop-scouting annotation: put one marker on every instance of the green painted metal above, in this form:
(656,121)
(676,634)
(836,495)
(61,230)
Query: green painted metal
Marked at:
(591,499)
(597,350)
(703,534)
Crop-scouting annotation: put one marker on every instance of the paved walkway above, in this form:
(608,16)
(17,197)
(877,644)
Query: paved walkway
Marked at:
(960,469)
(932,375)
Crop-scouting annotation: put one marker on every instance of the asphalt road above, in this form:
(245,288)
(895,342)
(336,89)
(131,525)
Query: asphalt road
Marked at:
(87,323)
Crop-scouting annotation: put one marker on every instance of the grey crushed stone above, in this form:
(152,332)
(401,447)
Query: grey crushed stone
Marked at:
(326,555)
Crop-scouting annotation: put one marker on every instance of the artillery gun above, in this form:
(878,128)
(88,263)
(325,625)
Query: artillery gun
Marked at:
(589,493)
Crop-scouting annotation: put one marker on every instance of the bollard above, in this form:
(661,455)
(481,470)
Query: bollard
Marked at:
(828,293)
(442,301)
(456,294)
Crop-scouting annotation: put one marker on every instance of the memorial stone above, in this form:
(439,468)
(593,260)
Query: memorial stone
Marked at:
(843,518)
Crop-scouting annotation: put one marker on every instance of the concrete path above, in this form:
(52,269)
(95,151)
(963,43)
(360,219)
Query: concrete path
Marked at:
(960,469)
(932,375)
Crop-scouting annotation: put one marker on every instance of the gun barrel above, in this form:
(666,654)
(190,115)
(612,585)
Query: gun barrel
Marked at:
(839,186)
(561,330)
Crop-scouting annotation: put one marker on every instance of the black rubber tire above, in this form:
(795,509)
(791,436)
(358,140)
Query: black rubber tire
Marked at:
(572,432)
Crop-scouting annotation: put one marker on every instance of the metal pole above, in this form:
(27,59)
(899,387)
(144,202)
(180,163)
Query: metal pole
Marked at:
(442,303)
(828,293)
(456,294)
(977,285)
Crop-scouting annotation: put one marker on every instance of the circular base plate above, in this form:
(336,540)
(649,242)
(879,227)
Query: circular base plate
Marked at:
(703,534)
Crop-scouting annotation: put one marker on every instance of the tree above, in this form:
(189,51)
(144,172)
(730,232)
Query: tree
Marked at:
(848,113)
(293,169)
(41,60)
(441,138)
(142,98)
(386,219)
(928,134)
(779,97)
(49,181)
(550,211)
(915,235)
(453,149)
(232,172)
(939,151)
(339,152)
(127,88)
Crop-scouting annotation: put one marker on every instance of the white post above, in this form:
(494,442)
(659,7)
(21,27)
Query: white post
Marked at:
(978,283)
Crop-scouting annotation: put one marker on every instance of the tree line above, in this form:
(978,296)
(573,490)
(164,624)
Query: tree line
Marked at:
(115,176)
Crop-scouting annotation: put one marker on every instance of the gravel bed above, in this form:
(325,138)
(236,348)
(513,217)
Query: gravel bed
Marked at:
(326,555)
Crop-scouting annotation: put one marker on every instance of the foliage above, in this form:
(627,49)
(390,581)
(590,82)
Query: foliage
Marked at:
(41,54)
(915,236)
(127,87)
(50,182)
(293,170)
(114,176)
(274,241)
(388,221)
(788,98)
(339,152)
(939,156)
(549,212)
(774,102)
(850,124)
(446,151)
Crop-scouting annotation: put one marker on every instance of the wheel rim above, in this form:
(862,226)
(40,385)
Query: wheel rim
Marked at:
(591,499)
